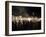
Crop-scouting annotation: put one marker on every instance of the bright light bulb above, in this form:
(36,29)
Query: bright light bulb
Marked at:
(29,19)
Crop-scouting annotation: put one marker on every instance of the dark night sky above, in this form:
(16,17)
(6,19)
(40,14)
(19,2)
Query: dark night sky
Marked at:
(21,10)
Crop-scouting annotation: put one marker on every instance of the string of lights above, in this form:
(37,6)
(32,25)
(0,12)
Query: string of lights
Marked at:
(21,19)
